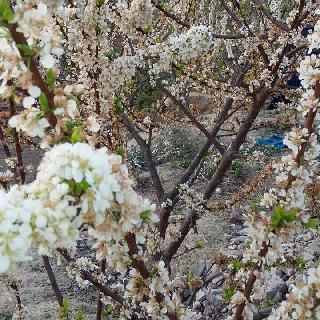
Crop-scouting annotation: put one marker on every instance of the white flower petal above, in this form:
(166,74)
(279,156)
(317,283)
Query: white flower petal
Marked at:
(34,91)
(28,102)
(48,61)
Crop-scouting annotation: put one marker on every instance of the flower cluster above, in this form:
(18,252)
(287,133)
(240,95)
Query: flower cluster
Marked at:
(71,190)
(271,232)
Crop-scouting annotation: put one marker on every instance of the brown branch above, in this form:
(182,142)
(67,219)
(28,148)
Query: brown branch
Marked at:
(20,39)
(259,100)
(17,146)
(99,303)
(133,252)
(86,275)
(165,214)
(250,283)
(193,120)
(14,287)
(53,280)
(148,158)
(232,14)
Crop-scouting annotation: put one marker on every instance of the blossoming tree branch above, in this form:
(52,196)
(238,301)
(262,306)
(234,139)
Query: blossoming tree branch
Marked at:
(82,78)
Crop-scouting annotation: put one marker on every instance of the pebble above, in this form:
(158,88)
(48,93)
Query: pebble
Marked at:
(201,269)
(213,273)
(314,246)
(236,216)
(217,282)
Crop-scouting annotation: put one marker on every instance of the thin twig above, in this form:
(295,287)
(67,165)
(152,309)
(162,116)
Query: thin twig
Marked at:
(53,280)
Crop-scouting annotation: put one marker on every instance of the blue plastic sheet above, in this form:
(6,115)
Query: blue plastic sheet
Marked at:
(273,140)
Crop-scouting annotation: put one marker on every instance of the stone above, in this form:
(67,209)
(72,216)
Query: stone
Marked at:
(239,240)
(216,301)
(200,270)
(207,311)
(217,282)
(213,273)
(262,314)
(280,287)
(314,246)
(236,216)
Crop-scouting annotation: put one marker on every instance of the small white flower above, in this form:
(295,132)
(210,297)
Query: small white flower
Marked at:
(34,91)
(28,102)
(48,61)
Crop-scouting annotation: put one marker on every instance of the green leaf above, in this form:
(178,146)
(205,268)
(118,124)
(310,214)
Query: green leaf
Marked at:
(121,152)
(76,135)
(280,216)
(229,293)
(8,14)
(312,224)
(117,104)
(145,215)
(80,315)
(69,125)
(199,245)
(80,187)
(236,265)
(50,78)
(109,54)
(27,51)
(64,312)
(100,2)
(43,101)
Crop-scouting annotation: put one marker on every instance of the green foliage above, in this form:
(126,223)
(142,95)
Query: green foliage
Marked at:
(146,96)
(236,265)
(228,293)
(199,244)
(300,264)
(5,315)
(266,304)
(254,206)
(75,131)
(100,3)
(81,187)
(179,151)
(312,224)
(80,315)
(281,216)
(67,313)
(106,312)
(6,13)
(237,168)
(109,54)
(109,313)
(145,215)
(121,152)
(27,51)
(50,78)
(117,104)
(43,101)
(64,310)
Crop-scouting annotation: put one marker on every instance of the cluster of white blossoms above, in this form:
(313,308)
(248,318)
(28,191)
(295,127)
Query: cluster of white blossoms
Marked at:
(15,228)
(30,121)
(75,185)
(130,16)
(271,232)
(35,24)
